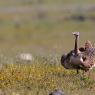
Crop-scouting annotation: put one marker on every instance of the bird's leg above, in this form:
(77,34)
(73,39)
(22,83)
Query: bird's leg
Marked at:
(77,71)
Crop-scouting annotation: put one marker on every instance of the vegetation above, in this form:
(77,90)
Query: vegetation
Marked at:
(31,2)
(40,78)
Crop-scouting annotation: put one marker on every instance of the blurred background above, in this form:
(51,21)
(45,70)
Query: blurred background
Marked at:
(42,26)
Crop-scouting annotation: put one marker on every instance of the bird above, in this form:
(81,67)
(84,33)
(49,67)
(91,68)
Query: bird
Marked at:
(89,53)
(56,92)
(76,58)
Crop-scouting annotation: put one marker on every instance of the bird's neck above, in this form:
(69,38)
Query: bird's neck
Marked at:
(76,46)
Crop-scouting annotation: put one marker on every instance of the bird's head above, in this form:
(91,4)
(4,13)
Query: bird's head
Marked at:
(76,33)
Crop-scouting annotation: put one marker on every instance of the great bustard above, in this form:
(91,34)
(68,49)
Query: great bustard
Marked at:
(76,58)
(89,54)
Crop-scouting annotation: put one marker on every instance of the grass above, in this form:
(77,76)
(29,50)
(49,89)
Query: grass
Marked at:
(50,35)
(47,2)
(41,77)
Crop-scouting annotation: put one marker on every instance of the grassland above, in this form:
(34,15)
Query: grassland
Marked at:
(41,77)
(47,2)
(50,35)
(43,29)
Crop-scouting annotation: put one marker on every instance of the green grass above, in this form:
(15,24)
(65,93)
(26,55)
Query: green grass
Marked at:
(31,2)
(46,34)
(41,77)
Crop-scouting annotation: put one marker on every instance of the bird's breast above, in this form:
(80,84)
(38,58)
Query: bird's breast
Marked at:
(76,60)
